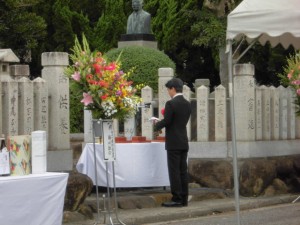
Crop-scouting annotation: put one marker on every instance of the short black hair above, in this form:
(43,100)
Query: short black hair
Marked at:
(175,83)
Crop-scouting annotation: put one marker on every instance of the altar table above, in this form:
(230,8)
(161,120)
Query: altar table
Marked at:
(136,165)
(33,199)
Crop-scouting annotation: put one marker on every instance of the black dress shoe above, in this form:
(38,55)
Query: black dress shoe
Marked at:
(172,204)
(185,204)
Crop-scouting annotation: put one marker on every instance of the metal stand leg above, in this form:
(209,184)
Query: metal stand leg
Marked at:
(96,178)
(103,128)
(109,208)
(115,195)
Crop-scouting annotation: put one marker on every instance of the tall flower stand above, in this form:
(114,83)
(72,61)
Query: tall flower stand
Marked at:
(104,132)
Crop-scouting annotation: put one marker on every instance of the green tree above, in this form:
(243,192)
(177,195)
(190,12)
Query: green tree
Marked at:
(110,26)
(21,29)
(66,19)
(172,25)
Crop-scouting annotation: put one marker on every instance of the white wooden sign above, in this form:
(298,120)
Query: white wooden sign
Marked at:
(109,148)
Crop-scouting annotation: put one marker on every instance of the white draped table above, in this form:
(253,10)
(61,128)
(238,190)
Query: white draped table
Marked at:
(136,165)
(33,199)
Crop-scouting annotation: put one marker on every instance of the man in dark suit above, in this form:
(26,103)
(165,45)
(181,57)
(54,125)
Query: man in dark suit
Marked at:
(176,116)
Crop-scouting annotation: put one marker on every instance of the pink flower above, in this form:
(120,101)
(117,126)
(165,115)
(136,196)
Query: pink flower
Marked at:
(76,76)
(87,99)
(289,76)
(296,82)
(298,91)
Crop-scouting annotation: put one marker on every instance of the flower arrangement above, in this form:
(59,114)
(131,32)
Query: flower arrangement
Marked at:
(291,77)
(106,90)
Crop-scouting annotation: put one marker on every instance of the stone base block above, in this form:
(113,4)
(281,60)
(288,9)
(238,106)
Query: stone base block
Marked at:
(144,40)
(149,44)
(59,160)
(245,149)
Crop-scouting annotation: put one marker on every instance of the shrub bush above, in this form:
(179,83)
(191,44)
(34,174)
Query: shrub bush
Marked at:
(144,61)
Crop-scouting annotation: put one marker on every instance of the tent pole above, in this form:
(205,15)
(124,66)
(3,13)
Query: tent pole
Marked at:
(233,135)
(245,51)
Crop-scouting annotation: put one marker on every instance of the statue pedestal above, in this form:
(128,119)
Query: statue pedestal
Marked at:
(145,40)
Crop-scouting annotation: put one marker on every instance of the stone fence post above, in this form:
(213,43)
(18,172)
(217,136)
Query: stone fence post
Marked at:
(202,94)
(220,114)
(59,152)
(10,107)
(147,113)
(244,101)
(164,75)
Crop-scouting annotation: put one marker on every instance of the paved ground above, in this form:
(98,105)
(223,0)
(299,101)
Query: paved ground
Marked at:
(143,206)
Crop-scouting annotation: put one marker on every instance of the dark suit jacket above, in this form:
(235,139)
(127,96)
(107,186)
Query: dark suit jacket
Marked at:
(177,114)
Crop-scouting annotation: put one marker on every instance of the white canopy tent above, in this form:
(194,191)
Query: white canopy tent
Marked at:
(273,21)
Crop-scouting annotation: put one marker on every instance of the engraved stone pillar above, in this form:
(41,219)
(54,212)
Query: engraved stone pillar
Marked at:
(147,126)
(129,128)
(88,126)
(116,127)
(54,64)
(274,113)
(41,105)
(202,94)
(291,128)
(244,99)
(258,110)
(282,113)
(10,107)
(164,75)
(187,95)
(6,57)
(266,113)
(26,116)
(220,114)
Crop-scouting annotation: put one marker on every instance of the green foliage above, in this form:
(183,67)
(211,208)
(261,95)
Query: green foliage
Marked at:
(165,21)
(111,24)
(292,63)
(170,23)
(76,109)
(211,30)
(20,29)
(145,63)
(291,77)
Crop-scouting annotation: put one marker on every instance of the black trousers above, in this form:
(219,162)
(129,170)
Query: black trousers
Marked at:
(178,174)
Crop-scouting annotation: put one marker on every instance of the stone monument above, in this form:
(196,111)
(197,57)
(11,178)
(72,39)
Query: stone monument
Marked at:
(138,28)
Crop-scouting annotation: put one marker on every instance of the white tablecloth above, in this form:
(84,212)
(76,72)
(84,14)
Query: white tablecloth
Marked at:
(35,199)
(136,165)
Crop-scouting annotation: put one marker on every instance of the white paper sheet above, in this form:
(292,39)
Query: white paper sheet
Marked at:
(4,162)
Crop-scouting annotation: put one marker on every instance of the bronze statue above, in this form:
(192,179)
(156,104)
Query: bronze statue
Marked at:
(139,20)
